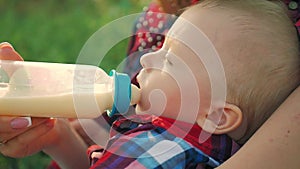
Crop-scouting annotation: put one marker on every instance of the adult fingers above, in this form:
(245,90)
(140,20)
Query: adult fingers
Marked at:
(29,142)
(13,126)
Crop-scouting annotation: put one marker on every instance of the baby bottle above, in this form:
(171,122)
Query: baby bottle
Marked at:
(40,89)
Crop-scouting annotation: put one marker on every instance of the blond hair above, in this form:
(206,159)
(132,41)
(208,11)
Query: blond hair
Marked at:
(269,49)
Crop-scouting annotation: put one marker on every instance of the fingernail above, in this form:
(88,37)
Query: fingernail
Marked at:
(6,45)
(6,48)
(21,122)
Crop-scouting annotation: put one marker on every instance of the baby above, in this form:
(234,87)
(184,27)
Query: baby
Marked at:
(255,49)
(258,47)
(223,69)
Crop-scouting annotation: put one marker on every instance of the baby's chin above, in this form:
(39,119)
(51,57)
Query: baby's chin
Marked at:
(142,105)
(140,110)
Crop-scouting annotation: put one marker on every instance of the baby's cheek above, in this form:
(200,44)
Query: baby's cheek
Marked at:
(156,89)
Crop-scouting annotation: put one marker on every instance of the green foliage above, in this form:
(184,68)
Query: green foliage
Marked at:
(55,31)
(37,161)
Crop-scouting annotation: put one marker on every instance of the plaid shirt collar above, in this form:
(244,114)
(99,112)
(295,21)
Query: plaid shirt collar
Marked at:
(219,147)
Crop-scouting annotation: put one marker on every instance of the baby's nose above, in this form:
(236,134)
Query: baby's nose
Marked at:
(153,60)
(146,60)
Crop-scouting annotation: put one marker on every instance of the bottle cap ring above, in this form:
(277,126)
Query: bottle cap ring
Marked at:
(122,93)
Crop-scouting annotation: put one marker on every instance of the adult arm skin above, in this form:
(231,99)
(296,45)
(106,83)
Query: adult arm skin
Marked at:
(68,149)
(276,144)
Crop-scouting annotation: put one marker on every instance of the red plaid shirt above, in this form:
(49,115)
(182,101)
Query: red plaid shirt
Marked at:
(132,141)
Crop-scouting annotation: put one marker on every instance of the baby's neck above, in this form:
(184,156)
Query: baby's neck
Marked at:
(239,134)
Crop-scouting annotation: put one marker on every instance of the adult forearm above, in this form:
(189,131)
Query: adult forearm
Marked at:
(276,144)
(69,151)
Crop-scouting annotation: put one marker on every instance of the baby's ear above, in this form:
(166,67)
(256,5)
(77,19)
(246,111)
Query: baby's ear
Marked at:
(222,122)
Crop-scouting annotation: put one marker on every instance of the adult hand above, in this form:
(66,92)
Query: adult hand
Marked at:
(18,135)
(21,137)
(18,140)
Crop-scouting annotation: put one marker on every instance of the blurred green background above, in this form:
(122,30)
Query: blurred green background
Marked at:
(55,31)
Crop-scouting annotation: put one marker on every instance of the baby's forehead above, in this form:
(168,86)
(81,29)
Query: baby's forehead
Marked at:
(214,26)
(233,36)
(230,26)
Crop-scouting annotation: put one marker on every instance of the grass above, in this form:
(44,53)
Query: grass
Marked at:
(55,31)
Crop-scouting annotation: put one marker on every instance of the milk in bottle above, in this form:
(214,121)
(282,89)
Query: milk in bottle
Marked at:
(62,90)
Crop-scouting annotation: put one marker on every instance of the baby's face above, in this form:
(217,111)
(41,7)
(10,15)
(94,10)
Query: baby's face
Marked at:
(167,80)
(175,79)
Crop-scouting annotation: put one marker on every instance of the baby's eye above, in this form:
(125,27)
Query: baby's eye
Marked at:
(168,60)
(168,57)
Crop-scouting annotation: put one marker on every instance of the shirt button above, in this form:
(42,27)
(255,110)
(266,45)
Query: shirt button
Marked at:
(293,5)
